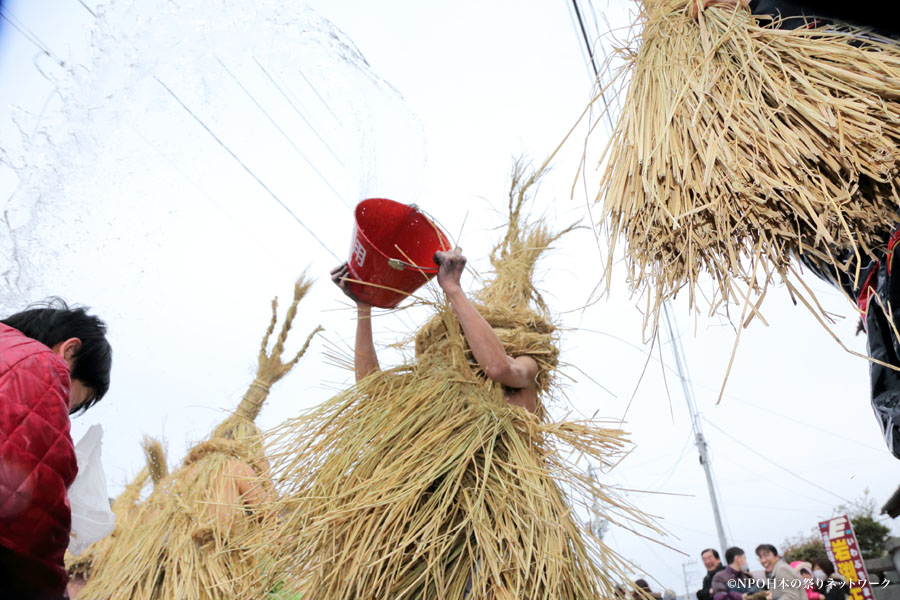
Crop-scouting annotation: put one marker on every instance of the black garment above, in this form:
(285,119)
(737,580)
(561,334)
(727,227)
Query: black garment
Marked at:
(19,580)
(797,13)
(832,590)
(704,593)
(883,345)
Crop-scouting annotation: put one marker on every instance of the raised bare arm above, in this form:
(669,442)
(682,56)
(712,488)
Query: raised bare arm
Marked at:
(517,373)
(365,360)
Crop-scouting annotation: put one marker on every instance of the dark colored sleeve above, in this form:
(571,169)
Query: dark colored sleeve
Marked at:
(864,14)
(884,347)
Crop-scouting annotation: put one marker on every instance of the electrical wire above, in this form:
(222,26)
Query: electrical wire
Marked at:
(316,92)
(282,132)
(297,110)
(246,168)
(10,18)
(741,401)
(681,456)
(770,461)
(87,8)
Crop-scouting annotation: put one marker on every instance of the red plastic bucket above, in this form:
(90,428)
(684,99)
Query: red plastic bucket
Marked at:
(392,251)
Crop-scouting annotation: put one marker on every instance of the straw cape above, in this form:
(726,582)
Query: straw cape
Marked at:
(179,543)
(421,481)
(123,507)
(740,147)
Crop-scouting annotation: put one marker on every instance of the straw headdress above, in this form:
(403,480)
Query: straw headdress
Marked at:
(509,302)
(181,541)
(741,146)
(422,481)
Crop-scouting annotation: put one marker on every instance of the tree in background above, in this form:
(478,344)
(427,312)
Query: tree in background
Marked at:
(870,533)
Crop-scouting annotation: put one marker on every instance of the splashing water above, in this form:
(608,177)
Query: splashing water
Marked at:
(199,140)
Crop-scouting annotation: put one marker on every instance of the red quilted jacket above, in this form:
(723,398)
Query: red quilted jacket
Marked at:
(37,458)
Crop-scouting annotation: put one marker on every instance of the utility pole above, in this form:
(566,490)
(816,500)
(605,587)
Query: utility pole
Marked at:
(598,524)
(687,588)
(680,362)
(699,440)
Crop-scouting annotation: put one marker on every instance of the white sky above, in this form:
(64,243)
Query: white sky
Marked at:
(127,205)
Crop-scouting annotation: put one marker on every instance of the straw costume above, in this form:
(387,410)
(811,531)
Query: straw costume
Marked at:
(422,481)
(124,507)
(742,146)
(749,146)
(181,542)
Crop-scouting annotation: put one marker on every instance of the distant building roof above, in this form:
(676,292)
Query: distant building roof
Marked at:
(892,506)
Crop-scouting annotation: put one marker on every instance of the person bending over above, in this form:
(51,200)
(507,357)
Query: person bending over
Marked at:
(54,361)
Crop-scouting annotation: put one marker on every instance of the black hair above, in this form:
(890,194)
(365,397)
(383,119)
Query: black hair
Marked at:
(641,584)
(52,322)
(825,564)
(768,548)
(713,550)
(732,553)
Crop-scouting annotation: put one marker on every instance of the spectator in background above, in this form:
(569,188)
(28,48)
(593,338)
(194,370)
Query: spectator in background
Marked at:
(668,595)
(783,581)
(710,558)
(809,583)
(642,591)
(833,585)
(732,582)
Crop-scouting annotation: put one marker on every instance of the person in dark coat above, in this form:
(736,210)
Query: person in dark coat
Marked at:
(713,564)
(833,586)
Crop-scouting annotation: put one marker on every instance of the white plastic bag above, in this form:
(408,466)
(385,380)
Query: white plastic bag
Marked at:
(92,518)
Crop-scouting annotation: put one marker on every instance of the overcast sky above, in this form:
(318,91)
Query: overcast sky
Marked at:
(113,194)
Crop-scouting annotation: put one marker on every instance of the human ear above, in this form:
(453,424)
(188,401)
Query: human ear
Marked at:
(67,350)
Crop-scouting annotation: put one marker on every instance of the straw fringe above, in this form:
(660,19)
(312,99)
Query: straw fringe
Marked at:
(422,479)
(181,541)
(741,147)
(124,507)
(156,459)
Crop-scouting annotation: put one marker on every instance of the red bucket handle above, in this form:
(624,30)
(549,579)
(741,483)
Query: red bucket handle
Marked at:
(396,263)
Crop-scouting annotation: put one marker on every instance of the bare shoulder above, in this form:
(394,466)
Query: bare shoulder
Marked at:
(525,396)
(528,365)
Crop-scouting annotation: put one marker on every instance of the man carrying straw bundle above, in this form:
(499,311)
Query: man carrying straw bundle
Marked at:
(442,478)
(747,142)
(871,289)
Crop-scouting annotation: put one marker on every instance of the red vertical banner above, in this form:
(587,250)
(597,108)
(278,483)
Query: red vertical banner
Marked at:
(843,551)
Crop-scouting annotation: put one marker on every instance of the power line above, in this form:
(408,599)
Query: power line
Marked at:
(175,167)
(687,444)
(769,460)
(297,110)
(28,34)
(87,8)
(742,401)
(282,132)
(246,168)
(744,468)
(587,42)
(313,88)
